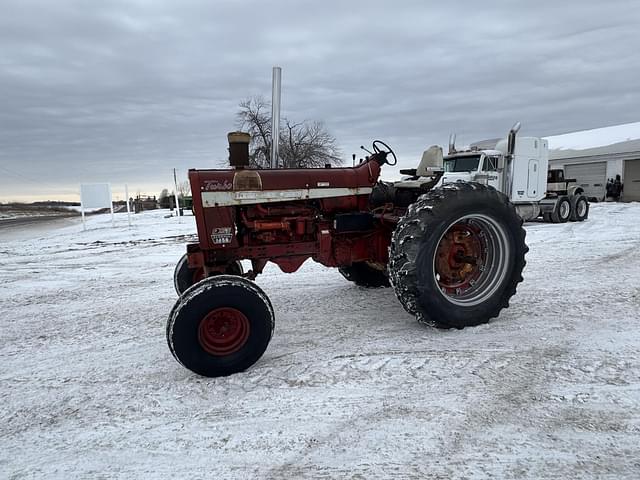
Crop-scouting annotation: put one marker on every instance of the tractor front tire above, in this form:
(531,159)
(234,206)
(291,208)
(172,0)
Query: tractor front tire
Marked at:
(220,326)
(365,275)
(184,277)
(457,255)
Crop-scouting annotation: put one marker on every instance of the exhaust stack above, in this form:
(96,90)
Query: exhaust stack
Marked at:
(452,144)
(275,116)
(511,142)
(507,175)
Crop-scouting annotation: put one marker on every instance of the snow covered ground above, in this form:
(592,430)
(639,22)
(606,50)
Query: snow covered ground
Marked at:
(350,386)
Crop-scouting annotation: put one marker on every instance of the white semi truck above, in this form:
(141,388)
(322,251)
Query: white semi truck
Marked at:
(518,167)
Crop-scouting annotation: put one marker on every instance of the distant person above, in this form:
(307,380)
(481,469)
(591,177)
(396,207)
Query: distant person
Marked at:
(617,188)
(609,189)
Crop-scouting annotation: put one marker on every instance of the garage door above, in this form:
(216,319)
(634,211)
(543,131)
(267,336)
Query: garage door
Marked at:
(631,191)
(592,177)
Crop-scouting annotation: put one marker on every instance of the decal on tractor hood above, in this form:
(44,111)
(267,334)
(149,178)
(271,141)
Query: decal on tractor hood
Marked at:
(214,185)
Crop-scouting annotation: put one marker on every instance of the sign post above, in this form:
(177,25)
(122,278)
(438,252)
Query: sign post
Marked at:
(126,194)
(84,222)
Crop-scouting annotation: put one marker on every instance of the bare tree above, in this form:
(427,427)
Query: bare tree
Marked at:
(308,145)
(184,189)
(254,118)
(302,145)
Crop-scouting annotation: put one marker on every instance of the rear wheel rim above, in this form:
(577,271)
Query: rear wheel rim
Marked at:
(565,209)
(582,207)
(472,259)
(223,331)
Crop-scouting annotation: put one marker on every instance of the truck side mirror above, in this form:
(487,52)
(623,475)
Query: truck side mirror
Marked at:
(501,162)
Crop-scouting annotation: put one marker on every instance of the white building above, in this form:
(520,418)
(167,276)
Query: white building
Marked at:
(593,156)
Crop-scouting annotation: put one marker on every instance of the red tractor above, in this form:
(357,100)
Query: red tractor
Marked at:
(453,254)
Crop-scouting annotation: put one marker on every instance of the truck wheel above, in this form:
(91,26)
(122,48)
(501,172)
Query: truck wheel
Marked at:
(220,326)
(364,275)
(184,277)
(457,255)
(579,208)
(562,212)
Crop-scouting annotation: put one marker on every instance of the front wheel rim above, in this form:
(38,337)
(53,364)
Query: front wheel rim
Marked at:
(472,259)
(223,331)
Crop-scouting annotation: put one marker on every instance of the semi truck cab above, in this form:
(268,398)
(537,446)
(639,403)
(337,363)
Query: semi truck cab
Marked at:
(519,168)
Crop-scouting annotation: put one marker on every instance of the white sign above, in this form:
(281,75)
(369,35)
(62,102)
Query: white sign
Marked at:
(95,195)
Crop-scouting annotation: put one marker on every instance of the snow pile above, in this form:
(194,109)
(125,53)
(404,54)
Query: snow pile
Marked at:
(597,137)
(350,386)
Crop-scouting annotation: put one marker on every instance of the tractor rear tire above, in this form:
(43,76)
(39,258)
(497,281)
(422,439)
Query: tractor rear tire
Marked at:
(220,326)
(364,275)
(579,208)
(562,211)
(185,277)
(457,255)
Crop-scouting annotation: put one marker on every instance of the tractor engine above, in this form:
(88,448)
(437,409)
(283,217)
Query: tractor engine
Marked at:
(273,225)
(288,216)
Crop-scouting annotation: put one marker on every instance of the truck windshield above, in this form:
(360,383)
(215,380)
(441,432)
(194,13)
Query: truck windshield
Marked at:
(461,164)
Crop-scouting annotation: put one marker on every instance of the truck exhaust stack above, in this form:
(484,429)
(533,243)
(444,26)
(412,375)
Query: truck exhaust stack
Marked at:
(452,144)
(511,146)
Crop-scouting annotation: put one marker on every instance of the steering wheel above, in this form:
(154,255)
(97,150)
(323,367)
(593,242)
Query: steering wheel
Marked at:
(388,150)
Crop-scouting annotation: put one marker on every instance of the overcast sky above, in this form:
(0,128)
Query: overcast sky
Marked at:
(123,91)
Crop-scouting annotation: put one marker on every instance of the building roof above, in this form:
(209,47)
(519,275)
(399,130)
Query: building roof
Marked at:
(617,140)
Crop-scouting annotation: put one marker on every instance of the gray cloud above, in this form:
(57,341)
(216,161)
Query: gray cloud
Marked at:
(123,91)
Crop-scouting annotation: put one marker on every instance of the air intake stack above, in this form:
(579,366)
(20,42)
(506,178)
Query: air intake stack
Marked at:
(239,149)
